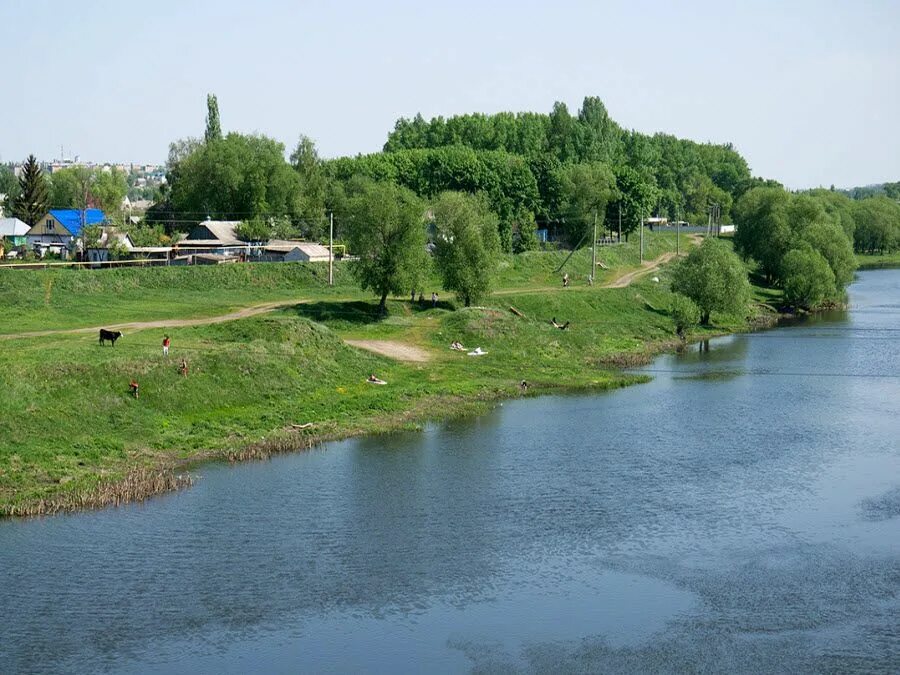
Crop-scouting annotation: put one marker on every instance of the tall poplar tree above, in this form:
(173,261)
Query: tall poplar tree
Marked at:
(34,194)
(213,126)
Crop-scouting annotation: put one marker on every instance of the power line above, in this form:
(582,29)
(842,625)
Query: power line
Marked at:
(763,373)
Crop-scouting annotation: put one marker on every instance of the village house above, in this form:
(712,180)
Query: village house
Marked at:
(60,230)
(278,250)
(215,237)
(111,240)
(12,232)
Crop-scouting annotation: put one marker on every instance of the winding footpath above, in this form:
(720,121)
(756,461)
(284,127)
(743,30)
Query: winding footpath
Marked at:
(253,310)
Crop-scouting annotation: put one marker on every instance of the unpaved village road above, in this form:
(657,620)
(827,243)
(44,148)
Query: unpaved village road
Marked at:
(412,353)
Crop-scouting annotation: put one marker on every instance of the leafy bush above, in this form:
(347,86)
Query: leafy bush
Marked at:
(807,278)
(684,311)
(714,278)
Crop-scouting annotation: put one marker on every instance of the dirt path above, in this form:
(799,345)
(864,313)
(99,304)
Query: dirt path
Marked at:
(646,268)
(391,349)
(619,282)
(395,350)
(242,313)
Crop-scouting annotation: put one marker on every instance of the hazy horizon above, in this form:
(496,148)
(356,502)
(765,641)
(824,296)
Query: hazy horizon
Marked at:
(807,94)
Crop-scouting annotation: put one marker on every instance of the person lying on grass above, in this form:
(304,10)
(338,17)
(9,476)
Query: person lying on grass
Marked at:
(457,346)
(374,380)
(561,326)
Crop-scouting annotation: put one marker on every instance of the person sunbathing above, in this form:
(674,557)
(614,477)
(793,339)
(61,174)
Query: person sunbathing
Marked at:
(457,346)
(561,326)
(478,351)
(374,380)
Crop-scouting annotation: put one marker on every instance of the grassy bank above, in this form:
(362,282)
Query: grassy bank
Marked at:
(71,436)
(876,261)
(35,300)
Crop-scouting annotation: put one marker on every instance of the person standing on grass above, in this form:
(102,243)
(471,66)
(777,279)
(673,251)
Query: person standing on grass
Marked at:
(434,299)
(166,342)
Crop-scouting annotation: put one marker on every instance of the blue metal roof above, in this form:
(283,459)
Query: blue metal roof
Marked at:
(71,218)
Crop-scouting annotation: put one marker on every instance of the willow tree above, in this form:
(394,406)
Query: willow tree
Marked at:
(466,246)
(386,230)
(714,278)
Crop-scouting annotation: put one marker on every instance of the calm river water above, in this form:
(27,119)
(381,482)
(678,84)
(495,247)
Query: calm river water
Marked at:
(741,513)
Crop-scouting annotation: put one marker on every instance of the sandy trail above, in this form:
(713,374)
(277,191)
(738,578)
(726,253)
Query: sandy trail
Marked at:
(242,313)
(393,350)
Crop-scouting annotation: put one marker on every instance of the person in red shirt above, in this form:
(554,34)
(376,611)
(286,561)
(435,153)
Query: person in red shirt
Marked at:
(166,343)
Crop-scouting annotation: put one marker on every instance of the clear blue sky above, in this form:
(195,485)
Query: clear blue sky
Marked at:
(807,90)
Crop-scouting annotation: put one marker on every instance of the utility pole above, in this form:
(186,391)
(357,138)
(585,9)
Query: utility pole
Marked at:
(620,222)
(677,232)
(331,248)
(594,251)
(642,239)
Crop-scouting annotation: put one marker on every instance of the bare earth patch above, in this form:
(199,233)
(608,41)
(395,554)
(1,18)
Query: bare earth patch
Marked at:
(393,350)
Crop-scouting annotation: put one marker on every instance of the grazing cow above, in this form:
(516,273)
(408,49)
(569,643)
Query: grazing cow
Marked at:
(111,335)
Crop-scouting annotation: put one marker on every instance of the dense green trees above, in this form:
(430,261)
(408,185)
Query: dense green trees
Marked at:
(763,229)
(9,188)
(81,187)
(70,188)
(877,225)
(235,178)
(808,280)
(532,168)
(635,198)
(33,200)
(313,187)
(802,241)
(684,176)
(506,179)
(385,228)
(684,312)
(585,190)
(467,245)
(829,240)
(713,278)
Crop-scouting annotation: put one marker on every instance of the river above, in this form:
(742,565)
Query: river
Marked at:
(739,513)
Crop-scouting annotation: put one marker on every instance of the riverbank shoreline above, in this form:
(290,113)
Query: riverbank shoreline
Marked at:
(293,378)
(145,483)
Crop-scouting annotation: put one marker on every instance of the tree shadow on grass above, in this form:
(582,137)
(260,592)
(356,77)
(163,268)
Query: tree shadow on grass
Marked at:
(354,312)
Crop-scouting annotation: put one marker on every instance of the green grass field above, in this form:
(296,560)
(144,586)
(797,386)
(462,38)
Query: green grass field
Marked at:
(875,261)
(70,429)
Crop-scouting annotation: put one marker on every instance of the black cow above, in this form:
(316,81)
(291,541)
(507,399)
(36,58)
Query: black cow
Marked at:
(111,335)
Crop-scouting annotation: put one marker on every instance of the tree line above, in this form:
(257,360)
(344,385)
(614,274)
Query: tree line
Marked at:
(489,181)
(804,242)
(34,193)
(530,167)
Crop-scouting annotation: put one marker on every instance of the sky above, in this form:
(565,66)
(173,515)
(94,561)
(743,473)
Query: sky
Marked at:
(807,90)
